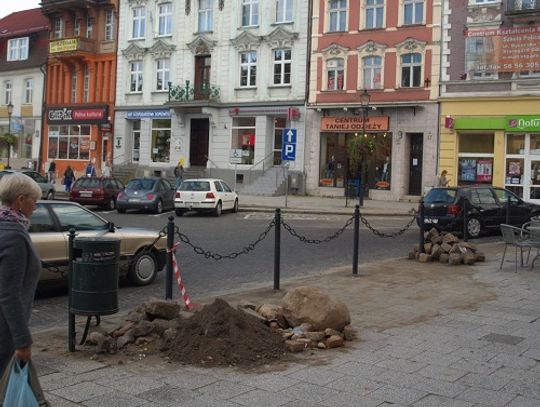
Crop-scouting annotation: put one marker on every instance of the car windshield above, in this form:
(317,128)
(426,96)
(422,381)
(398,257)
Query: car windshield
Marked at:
(440,195)
(73,216)
(195,186)
(138,184)
(87,183)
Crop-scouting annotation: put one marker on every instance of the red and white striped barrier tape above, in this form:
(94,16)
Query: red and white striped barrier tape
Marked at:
(181,286)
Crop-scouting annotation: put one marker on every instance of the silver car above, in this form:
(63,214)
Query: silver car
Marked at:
(47,188)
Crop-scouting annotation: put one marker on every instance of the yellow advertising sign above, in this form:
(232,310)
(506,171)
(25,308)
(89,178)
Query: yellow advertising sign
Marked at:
(69,44)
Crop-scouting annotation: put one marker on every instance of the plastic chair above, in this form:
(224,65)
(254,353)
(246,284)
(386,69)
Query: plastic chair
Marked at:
(513,236)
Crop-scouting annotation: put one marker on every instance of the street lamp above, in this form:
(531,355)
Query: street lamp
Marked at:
(364,101)
(9,112)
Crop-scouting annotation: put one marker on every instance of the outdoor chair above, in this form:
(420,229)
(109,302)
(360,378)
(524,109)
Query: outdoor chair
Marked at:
(513,236)
(531,230)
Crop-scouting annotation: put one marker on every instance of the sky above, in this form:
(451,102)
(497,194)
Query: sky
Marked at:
(9,6)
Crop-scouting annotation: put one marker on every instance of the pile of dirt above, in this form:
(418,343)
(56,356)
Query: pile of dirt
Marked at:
(220,335)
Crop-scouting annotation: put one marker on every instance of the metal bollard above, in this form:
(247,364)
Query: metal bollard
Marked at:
(356,239)
(421,248)
(360,194)
(508,203)
(465,219)
(277,247)
(71,316)
(170,246)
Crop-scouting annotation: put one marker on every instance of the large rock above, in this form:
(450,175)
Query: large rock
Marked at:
(162,309)
(272,313)
(310,304)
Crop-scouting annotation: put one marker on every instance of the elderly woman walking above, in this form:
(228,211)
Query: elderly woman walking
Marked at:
(19,266)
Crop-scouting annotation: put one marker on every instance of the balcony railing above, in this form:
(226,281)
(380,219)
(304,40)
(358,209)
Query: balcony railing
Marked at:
(50,6)
(187,93)
(73,44)
(522,6)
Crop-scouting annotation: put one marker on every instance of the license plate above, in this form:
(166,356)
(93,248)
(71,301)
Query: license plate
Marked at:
(85,194)
(134,200)
(431,220)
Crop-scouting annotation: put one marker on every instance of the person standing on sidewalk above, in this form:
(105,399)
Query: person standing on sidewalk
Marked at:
(69,177)
(20,266)
(179,173)
(106,171)
(52,172)
(90,170)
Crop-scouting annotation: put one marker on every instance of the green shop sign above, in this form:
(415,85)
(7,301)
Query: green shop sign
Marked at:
(522,123)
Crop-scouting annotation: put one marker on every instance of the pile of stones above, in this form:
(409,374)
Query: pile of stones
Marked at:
(446,248)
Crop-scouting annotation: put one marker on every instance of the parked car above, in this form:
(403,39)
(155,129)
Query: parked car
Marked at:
(443,209)
(205,194)
(47,188)
(140,260)
(155,194)
(102,191)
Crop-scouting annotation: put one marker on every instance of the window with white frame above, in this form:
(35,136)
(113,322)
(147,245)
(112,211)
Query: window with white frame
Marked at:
(165,19)
(109,25)
(411,70)
(250,13)
(248,69)
(282,67)
(17,49)
(337,12)
(163,69)
(28,91)
(413,12)
(206,15)
(8,87)
(69,142)
(86,85)
(243,136)
(335,73)
(480,58)
(74,86)
(77,27)
(58,27)
(371,70)
(136,76)
(89,27)
(138,23)
(374,13)
(284,11)
(161,140)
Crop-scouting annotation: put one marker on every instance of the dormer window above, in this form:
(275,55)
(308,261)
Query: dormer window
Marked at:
(17,49)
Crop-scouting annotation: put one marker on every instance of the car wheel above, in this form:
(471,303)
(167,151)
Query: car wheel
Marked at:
(474,227)
(110,205)
(218,209)
(179,212)
(159,206)
(50,196)
(143,268)
(120,210)
(235,207)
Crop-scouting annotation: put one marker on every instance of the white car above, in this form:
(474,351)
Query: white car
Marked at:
(205,194)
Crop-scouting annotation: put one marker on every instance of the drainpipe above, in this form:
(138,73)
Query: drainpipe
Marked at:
(438,139)
(308,73)
(43,69)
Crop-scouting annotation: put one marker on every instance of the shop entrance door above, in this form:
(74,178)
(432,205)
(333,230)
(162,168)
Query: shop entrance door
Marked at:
(415,164)
(198,142)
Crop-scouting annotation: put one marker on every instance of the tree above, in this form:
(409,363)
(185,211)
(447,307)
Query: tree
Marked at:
(8,141)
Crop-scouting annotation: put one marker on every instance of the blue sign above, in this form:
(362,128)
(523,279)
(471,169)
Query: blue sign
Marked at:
(288,143)
(154,114)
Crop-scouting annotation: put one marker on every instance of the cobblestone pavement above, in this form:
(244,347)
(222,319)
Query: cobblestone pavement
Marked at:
(483,353)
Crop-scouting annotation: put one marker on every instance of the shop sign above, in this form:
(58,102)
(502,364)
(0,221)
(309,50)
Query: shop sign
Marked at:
(153,114)
(69,44)
(347,124)
(522,123)
(77,115)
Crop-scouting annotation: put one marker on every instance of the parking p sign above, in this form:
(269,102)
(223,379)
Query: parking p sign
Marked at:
(288,148)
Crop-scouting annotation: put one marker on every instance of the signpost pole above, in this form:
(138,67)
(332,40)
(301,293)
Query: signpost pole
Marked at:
(286,182)
(235,176)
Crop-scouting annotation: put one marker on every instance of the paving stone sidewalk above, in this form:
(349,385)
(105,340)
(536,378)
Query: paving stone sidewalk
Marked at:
(485,354)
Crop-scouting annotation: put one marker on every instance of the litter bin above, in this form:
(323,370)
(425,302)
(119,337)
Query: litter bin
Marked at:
(94,279)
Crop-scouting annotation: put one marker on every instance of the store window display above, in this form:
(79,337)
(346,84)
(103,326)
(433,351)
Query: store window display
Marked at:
(475,159)
(522,173)
(161,140)
(244,138)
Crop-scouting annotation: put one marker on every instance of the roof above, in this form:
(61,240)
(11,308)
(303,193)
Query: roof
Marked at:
(23,22)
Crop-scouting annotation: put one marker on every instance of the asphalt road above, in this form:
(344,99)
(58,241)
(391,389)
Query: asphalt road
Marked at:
(230,233)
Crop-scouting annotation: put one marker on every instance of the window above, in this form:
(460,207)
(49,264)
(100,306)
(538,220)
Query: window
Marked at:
(206,15)
(282,67)
(161,140)
(335,70)
(165,19)
(135,140)
(480,58)
(77,27)
(28,91)
(41,221)
(372,72)
(413,11)
(136,76)
(374,13)
(139,18)
(243,137)
(74,86)
(475,153)
(163,67)
(17,49)
(69,142)
(7,92)
(250,13)
(71,216)
(89,27)
(411,70)
(284,11)
(248,68)
(337,9)
(86,84)
(58,28)
(109,25)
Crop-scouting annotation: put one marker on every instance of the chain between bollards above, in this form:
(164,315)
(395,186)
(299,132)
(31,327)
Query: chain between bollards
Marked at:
(170,253)
(277,248)
(421,224)
(71,315)
(356,239)
(465,219)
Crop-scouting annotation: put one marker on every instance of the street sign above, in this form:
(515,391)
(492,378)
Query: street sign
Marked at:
(288,145)
(236,156)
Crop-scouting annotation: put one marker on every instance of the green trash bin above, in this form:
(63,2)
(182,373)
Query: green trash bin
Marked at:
(94,278)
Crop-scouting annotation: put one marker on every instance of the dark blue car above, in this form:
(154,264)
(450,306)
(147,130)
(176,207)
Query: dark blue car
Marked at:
(148,194)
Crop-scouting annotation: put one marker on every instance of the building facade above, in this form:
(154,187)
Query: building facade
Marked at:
(23,56)
(389,52)
(490,95)
(81,83)
(211,84)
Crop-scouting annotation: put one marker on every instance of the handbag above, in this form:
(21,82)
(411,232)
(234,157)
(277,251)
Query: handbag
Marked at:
(19,387)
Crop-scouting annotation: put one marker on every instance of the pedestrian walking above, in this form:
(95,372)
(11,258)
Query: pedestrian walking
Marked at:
(52,172)
(69,178)
(90,170)
(442,180)
(179,173)
(20,266)
(106,171)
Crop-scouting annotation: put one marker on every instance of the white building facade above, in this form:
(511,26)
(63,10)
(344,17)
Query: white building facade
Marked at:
(210,83)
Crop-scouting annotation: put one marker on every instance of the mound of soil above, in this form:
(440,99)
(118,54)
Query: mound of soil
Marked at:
(220,335)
